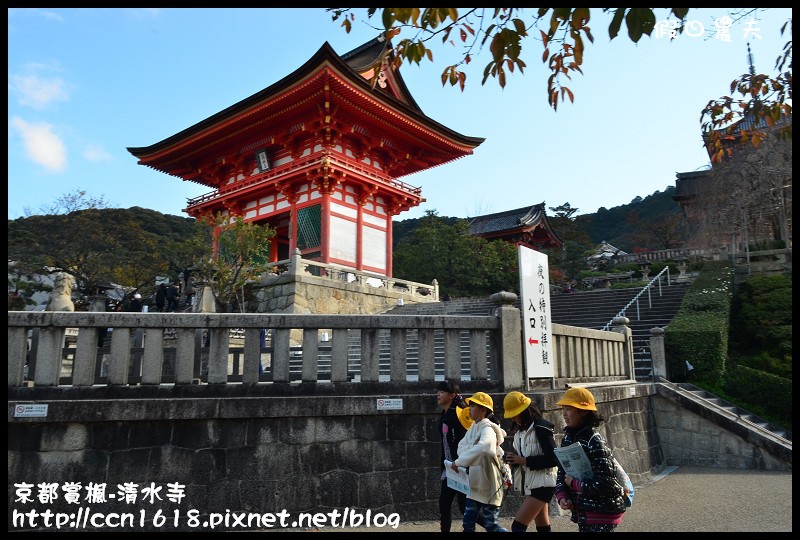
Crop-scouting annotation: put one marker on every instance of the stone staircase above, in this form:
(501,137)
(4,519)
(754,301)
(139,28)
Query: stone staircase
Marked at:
(596,308)
(587,309)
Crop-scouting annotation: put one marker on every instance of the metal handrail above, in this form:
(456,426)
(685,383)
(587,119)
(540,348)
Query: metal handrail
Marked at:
(640,293)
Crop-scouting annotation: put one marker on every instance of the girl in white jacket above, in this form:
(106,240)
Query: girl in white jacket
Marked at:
(481,453)
(535,463)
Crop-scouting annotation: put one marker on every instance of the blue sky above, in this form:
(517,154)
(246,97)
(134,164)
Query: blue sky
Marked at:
(85,84)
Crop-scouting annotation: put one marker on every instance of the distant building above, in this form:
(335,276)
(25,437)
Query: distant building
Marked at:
(604,256)
(745,198)
(526,226)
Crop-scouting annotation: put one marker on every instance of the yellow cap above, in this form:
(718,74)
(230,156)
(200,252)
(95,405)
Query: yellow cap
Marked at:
(514,403)
(580,398)
(482,398)
(463,417)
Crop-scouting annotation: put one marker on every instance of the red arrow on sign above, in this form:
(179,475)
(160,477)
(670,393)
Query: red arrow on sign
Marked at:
(532,341)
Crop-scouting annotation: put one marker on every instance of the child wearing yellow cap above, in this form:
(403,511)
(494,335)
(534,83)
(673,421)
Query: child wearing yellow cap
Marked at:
(535,464)
(597,503)
(480,451)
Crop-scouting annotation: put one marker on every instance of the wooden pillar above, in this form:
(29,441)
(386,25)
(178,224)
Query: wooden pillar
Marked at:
(325,227)
(388,245)
(293,226)
(360,236)
(273,249)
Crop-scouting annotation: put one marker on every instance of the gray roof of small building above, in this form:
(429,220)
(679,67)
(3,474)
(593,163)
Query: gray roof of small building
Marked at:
(509,220)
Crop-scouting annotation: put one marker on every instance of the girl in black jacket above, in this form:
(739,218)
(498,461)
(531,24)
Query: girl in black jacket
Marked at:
(597,503)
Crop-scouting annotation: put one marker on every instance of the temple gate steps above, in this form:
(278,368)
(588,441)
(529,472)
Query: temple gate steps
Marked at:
(586,309)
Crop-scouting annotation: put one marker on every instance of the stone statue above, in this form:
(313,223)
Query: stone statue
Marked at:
(61,295)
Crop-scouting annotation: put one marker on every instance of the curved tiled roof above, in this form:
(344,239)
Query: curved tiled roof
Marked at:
(520,220)
(509,220)
(367,55)
(357,58)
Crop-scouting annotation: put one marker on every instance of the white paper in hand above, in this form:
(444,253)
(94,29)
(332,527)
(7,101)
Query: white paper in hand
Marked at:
(574,461)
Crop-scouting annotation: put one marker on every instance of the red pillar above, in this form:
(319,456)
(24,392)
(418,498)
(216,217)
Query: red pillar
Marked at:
(325,227)
(292,227)
(389,245)
(360,236)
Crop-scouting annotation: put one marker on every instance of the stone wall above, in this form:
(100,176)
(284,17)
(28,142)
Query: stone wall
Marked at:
(301,294)
(687,438)
(310,453)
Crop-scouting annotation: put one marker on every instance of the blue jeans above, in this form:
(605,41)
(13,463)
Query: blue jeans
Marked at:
(490,515)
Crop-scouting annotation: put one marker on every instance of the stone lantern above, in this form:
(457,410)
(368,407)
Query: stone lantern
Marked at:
(682,269)
(644,267)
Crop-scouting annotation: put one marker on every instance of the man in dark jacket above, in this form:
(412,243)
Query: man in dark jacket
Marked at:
(136,304)
(452,428)
(161,297)
(172,297)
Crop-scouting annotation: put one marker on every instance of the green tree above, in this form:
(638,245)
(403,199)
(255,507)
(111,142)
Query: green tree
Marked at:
(762,311)
(501,266)
(665,232)
(97,250)
(570,259)
(77,199)
(564,34)
(23,283)
(464,265)
(237,257)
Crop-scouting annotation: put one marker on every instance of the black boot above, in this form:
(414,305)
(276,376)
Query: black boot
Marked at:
(516,526)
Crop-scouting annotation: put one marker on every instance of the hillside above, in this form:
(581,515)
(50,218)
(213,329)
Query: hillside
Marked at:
(636,224)
(611,225)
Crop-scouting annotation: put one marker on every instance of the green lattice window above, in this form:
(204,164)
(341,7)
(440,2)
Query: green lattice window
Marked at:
(309,227)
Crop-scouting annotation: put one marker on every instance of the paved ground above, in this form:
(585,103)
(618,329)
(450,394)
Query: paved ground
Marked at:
(687,499)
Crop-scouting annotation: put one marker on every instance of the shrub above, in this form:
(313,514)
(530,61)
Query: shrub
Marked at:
(699,331)
(762,393)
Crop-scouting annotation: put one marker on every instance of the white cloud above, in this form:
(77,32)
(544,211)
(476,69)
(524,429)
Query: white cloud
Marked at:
(94,152)
(42,146)
(37,92)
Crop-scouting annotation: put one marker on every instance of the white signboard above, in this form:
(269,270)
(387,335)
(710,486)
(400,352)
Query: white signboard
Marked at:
(458,481)
(390,404)
(30,410)
(535,306)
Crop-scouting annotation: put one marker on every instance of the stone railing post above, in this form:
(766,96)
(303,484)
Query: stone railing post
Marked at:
(510,366)
(97,302)
(207,303)
(620,324)
(296,264)
(658,354)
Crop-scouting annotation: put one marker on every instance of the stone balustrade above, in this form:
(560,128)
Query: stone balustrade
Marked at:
(198,348)
(300,267)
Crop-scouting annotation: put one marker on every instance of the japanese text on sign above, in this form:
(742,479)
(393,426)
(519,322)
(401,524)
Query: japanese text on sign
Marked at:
(535,304)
